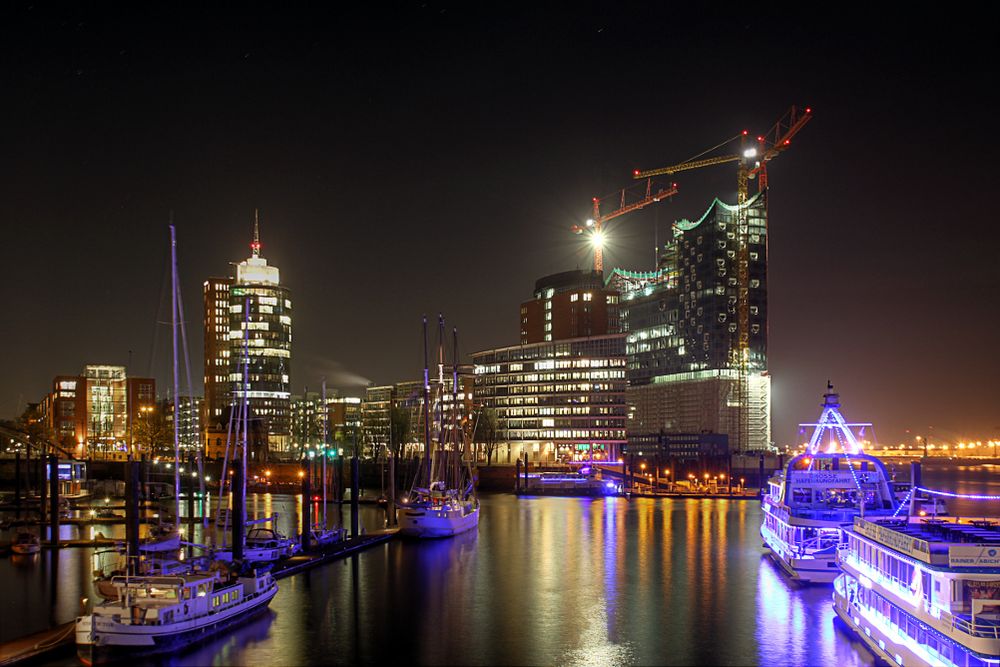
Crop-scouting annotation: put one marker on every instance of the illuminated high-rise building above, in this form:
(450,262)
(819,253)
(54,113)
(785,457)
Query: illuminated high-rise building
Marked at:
(681,324)
(258,309)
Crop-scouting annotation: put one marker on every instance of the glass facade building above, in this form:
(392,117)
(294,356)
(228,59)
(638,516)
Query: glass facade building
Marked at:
(682,331)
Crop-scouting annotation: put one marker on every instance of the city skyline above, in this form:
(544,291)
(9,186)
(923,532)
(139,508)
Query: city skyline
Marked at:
(385,194)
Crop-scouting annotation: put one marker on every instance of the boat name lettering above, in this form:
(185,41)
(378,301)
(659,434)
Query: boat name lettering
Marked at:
(823,477)
(901,542)
(974,556)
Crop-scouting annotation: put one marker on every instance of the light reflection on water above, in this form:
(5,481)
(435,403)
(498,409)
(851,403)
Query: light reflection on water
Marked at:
(543,581)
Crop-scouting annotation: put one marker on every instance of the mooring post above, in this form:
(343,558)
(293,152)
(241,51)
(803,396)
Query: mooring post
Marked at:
(306,503)
(132,515)
(54,499)
(237,511)
(17,485)
(355,474)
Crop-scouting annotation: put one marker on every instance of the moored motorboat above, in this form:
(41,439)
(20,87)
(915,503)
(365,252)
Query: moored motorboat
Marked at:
(152,615)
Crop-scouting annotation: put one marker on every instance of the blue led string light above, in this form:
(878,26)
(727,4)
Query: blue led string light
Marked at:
(966,496)
(905,503)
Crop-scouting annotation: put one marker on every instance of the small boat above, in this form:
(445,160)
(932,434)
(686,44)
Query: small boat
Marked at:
(271,539)
(448,505)
(567,484)
(162,538)
(26,543)
(152,615)
(323,538)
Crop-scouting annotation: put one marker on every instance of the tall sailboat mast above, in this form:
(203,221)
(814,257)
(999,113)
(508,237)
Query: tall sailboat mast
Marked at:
(427,402)
(325,416)
(456,469)
(174,318)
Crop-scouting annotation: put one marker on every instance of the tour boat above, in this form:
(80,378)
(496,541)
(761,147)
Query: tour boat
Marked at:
(152,615)
(818,494)
(582,483)
(26,543)
(448,504)
(923,591)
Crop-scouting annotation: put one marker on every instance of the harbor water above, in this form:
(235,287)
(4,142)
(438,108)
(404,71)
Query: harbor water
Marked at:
(569,581)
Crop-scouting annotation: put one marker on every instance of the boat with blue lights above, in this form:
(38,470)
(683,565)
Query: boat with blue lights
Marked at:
(819,493)
(582,482)
(923,590)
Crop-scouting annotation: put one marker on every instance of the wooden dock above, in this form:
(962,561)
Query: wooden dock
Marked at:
(58,638)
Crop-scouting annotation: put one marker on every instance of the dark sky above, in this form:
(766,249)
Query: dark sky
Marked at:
(431,157)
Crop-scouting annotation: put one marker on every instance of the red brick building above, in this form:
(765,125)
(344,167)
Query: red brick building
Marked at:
(572,304)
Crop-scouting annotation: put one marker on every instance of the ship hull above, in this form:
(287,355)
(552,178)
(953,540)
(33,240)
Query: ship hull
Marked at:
(429,523)
(112,647)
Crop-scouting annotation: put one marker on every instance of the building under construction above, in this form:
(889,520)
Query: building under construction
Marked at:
(682,332)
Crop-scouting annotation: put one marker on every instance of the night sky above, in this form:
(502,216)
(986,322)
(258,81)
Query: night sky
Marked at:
(429,157)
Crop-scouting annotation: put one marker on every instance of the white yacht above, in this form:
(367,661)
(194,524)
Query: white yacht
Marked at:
(818,494)
(923,591)
(151,615)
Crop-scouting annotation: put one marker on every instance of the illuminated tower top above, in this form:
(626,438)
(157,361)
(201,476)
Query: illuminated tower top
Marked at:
(255,244)
(254,269)
(841,437)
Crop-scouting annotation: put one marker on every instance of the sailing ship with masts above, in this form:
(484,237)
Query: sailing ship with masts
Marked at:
(442,501)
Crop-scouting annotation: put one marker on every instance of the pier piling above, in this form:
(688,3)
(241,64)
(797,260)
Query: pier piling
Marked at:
(306,504)
(54,499)
(132,515)
(17,485)
(355,474)
(238,509)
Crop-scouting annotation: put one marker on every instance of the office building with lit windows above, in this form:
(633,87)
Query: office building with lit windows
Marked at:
(558,400)
(258,316)
(218,387)
(681,325)
(571,304)
(95,413)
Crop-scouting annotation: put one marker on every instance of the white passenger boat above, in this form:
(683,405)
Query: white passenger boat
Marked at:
(819,493)
(153,615)
(923,591)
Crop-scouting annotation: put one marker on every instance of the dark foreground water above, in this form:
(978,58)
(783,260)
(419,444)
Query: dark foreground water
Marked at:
(543,581)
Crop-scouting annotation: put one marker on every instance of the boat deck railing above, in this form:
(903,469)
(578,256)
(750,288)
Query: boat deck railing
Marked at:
(985,628)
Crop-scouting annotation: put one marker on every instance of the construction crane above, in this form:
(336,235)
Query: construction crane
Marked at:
(594,226)
(751,163)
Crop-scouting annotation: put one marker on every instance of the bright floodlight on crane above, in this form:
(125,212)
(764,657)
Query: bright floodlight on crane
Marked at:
(590,223)
(750,152)
(597,238)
